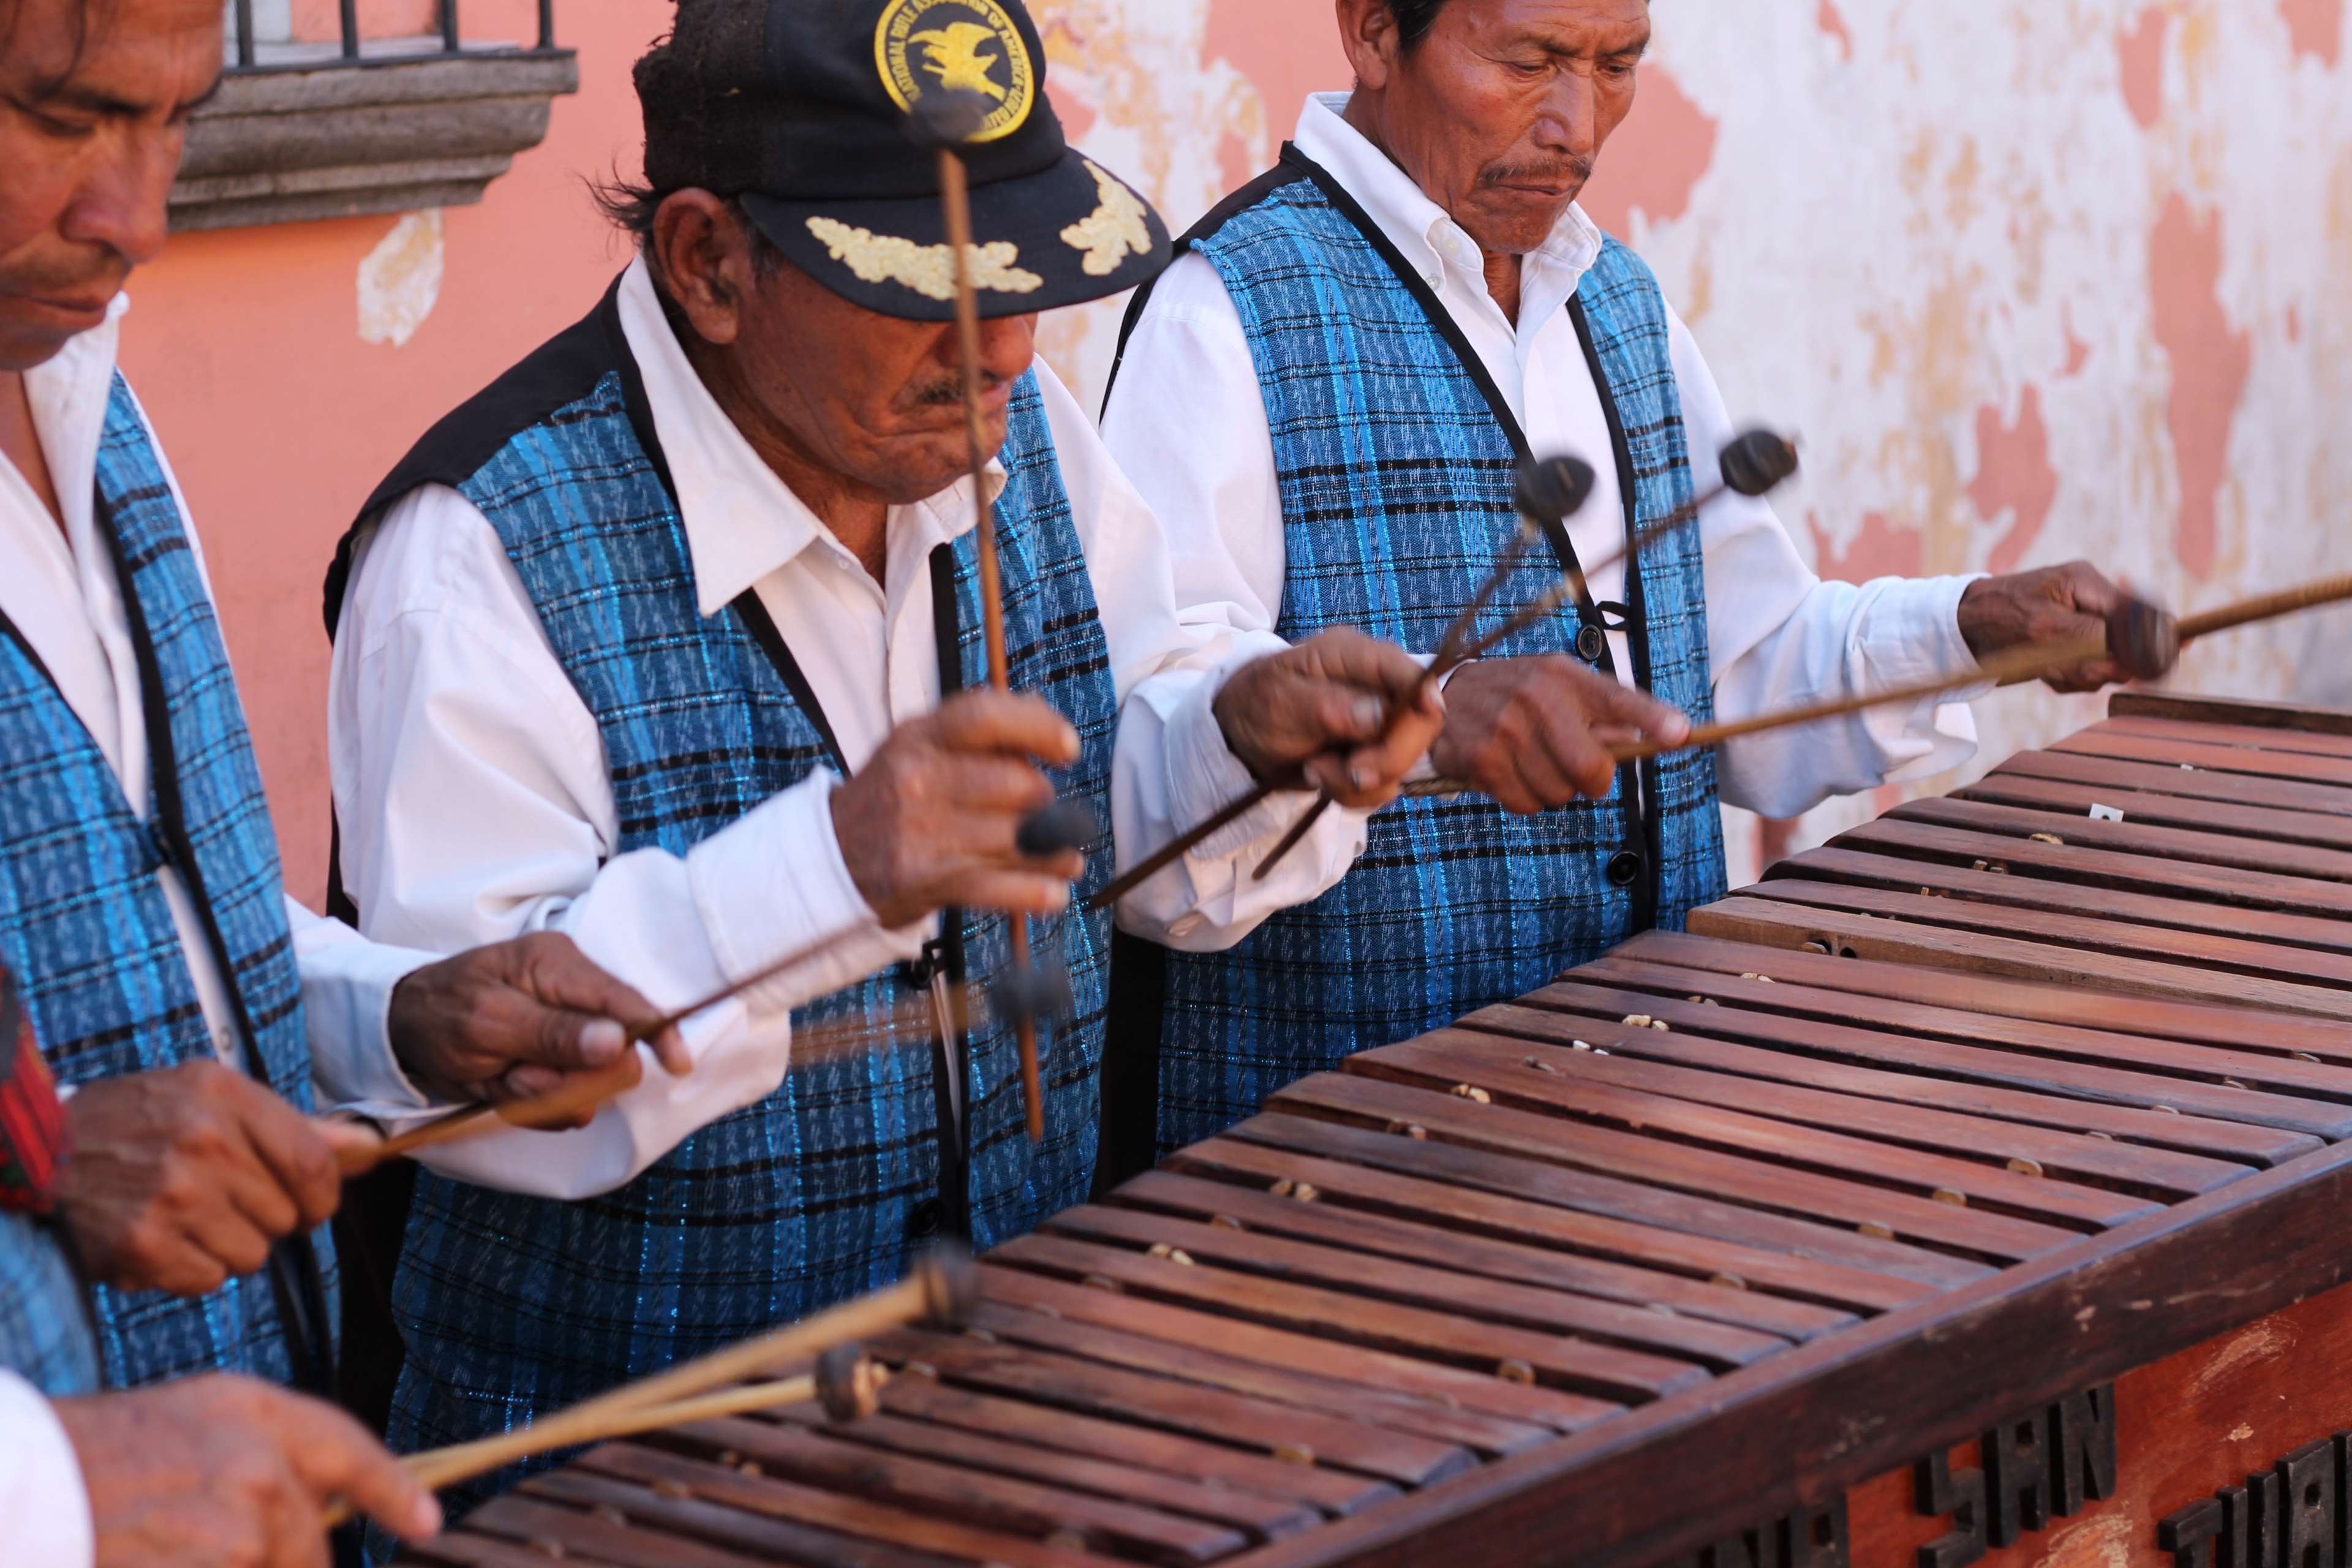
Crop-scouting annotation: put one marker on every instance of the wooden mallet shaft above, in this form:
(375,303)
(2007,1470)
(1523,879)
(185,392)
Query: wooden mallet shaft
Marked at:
(955,197)
(2011,666)
(942,1287)
(849,1386)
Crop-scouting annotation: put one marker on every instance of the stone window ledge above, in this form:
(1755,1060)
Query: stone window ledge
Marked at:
(288,145)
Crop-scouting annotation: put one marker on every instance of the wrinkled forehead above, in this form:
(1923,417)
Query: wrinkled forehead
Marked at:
(132,58)
(1587,28)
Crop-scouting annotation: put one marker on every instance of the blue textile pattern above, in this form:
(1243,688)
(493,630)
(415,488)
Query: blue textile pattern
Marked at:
(45,1335)
(1395,477)
(511,1306)
(83,921)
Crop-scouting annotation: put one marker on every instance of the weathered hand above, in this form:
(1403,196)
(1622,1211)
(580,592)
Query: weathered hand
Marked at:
(516,1020)
(1342,707)
(180,1178)
(227,1472)
(930,821)
(2061,604)
(1533,733)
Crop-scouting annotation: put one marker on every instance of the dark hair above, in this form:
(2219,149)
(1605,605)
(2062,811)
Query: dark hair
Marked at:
(84,23)
(1414,18)
(632,205)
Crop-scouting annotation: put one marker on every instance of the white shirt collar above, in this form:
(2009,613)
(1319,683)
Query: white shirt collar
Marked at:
(69,394)
(743,521)
(1417,227)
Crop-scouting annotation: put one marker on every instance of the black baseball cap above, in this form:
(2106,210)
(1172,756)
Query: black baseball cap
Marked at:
(802,110)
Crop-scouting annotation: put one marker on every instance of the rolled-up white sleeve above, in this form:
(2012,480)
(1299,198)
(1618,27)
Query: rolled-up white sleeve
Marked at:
(471,785)
(1781,638)
(44,1519)
(346,986)
(1170,655)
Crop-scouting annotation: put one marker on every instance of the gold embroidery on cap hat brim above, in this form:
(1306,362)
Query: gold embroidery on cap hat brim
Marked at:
(928,270)
(1113,230)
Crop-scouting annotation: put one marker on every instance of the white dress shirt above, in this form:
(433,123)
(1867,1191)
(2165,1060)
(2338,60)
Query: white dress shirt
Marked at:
(477,802)
(43,1507)
(59,586)
(1187,422)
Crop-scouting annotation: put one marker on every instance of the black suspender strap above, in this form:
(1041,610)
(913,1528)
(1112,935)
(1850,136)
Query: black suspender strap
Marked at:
(1641,828)
(1225,212)
(1638,783)
(1442,322)
(294,1275)
(763,627)
(944,954)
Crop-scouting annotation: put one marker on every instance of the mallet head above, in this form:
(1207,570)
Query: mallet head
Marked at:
(848,1385)
(1551,490)
(1758,463)
(950,1283)
(945,118)
(1056,829)
(1031,995)
(2143,639)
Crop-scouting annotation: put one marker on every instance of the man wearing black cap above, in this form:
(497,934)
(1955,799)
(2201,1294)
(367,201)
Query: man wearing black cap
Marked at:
(615,634)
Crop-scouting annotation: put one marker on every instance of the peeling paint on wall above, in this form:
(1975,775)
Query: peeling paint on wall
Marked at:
(400,280)
(2036,280)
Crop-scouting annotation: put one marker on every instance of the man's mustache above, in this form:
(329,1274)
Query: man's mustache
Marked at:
(1550,172)
(948,392)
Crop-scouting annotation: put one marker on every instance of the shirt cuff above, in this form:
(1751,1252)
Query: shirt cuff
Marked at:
(347,990)
(1204,776)
(774,883)
(1911,634)
(44,1519)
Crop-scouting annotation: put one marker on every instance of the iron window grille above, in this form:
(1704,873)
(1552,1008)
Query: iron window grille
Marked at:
(250,55)
(357,124)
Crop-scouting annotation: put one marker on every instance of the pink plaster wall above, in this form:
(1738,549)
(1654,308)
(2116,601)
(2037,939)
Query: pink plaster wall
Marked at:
(245,347)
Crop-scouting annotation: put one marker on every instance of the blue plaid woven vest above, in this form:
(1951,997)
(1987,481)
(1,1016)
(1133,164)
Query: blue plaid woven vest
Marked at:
(83,921)
(45,1335)
(1395,471)
(510,1305)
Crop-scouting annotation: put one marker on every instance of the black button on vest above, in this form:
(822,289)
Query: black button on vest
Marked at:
(1590,643)
(1624,869)
(923,1220)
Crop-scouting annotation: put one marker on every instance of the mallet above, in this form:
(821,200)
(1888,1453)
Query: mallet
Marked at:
(942,1287)
(1545,493)
(944,120)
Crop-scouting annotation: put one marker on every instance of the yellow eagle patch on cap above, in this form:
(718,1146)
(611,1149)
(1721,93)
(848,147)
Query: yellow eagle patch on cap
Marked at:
(969,46)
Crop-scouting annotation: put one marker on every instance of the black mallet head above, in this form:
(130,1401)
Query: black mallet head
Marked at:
(946,118)
(848,1385)
(950,1283)
(1031,995)
(1758,463)
(1056,829)
(2143,639)
(1551,490)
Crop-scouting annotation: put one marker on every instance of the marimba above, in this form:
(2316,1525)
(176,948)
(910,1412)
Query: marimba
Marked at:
(1973,1187)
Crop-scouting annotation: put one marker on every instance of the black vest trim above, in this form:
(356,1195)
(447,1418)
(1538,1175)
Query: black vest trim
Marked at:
(296,1281)
(764,630)
(1223,213)
(564,370)
(954,1133)
(1638,783)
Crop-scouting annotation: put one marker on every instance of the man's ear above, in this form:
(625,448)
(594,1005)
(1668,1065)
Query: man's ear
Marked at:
(1368,32)
(702,255)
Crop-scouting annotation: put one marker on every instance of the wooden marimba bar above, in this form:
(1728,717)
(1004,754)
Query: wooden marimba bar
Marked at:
(1974,1187)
